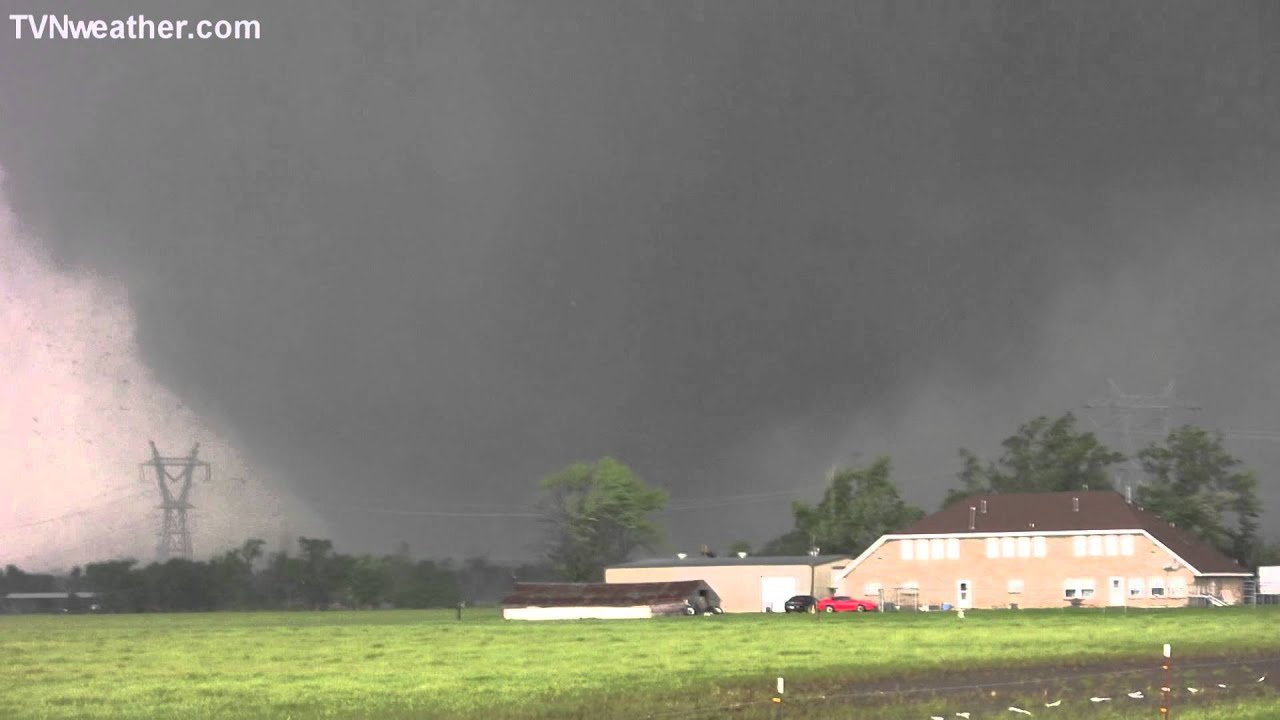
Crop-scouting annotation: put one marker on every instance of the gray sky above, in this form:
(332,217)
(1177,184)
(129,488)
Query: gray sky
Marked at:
(415,257)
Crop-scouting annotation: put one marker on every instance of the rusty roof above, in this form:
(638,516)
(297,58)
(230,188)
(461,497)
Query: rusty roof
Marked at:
(1082,511)
(602,594)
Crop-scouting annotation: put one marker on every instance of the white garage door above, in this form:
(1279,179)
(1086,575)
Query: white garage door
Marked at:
(774,592)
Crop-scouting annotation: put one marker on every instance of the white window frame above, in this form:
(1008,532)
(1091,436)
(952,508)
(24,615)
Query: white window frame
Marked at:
(937,549)
(1079,547)
(907,549)
(953,549)
(1156,584)
(922,549)
(1126,545)
(993,547)
(1136,587)
(1024,547)
(1008,548)
(1111,545)
(872,589)
(1082,588)
(1016,586)
(1095,546)
(1039,548)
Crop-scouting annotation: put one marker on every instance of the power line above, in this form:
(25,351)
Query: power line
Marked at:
(79,512)
(1130,415)
(727,500)
(710,502)
(446,513)
(1230,434)
(93,540)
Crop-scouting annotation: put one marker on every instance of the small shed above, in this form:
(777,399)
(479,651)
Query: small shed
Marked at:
(608,601)
(50,602)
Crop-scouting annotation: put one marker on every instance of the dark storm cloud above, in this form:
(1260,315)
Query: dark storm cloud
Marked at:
(422,256)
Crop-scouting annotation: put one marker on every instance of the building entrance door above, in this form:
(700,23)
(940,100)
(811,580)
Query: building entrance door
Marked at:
(964,595)
(1115,592)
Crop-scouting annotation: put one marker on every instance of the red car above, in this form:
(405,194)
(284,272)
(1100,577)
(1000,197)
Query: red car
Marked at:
(843,603)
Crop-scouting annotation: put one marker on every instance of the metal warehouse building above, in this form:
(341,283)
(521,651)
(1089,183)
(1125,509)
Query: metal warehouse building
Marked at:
(744,584)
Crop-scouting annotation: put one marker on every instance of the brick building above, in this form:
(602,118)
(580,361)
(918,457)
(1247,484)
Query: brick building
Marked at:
(1089,548)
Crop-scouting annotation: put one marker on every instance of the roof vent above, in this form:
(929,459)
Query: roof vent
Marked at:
(681,555)
(742,554)
(1075,504)
(972,516)
(984,507)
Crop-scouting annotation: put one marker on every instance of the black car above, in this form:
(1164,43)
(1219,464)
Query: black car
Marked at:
(800,603)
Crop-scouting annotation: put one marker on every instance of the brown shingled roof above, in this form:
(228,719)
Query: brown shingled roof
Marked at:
(1071,511)
(604,594)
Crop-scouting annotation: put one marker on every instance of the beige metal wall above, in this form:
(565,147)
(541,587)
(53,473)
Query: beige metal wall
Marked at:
(739,586)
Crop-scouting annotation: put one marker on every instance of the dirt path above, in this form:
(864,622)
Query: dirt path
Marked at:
(990,693)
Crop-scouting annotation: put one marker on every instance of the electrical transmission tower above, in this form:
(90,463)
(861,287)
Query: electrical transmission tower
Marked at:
(174,473)
(1131,416)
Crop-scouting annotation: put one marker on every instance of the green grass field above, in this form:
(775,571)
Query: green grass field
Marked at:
(414,664)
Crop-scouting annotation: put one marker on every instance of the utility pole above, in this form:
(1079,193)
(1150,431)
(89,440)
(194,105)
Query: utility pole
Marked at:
(174,473)
(1129,416)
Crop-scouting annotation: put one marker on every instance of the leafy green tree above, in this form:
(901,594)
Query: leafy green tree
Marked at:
(1044,455)
(251,551)
(425,584)
(323,571)
(282,579)
(233,577)
(179,585)
(792,542)
(15,580)
(369,579)
(1194,483)
(1267,554)
(597,515)
(859,506)
(119,586)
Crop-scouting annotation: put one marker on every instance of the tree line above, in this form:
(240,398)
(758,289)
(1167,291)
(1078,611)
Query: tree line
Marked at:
(313,577)
(599,514)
